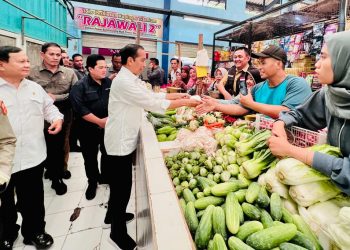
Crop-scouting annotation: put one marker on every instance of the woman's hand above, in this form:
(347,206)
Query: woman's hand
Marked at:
(279,146)
(278,129)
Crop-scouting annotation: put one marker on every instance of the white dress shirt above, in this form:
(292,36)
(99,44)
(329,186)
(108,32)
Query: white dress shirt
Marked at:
(27,107)
(173,74)
(128,99)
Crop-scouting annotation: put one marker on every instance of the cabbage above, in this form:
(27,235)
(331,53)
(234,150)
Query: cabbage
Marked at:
(273,185)
(310,193)
(293,172)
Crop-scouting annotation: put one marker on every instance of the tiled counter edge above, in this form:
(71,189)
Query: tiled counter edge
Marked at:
(160,222)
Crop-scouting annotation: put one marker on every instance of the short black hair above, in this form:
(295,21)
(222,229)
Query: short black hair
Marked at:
(155,60)
(177,60)
(75,55)
(45,46)
(245,49)
(129,50)
(5,52)
(91,60)
(116,54)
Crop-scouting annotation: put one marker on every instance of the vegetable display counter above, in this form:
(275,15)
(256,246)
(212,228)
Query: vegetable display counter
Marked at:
(160,223)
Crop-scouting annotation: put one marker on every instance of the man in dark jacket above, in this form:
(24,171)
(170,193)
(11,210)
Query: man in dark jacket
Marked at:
(242,68)
(89,97)
(155,73)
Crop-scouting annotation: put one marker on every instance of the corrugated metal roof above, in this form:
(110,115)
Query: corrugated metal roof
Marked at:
(260,2)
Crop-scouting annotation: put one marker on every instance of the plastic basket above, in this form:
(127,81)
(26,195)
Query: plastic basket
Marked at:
(297,136)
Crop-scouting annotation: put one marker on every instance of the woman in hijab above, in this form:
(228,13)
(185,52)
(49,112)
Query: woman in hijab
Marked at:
(328,107)
(219,74)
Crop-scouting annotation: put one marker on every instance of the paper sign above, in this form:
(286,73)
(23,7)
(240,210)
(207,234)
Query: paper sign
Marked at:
(202,71)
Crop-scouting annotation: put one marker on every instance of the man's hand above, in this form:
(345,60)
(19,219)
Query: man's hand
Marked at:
(53,97)
(246,100)
(55,127)
(175,96)
(112,76)
(3,108)
(279,130)
(207,106)
(102,122)
(192,102)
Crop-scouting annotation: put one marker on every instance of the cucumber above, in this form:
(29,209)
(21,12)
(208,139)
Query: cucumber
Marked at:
(286,216)
(205,228)
(301,239)
(219,242)
(275,206)
(191,217)
(249,228)
(290,246)
(305,229)
(204,202)
(240,195)
(210,245)
(252,192)
(205,182)
(188,195)
(272,237)
(277,223)
(263,199)
(219,222)
(266,219)
(251,211)
(223,189)
(236,244)
(182,205)
(200,214)
(233,213)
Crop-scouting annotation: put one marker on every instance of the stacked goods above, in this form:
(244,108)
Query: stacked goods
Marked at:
(224,206)
(311,194)
(167,125)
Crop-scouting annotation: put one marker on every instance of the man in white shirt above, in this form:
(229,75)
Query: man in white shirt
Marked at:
(28,106)
(174,63)
(128,99)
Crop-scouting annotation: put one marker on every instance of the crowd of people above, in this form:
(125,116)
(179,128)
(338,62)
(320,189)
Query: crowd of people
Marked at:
(46,108)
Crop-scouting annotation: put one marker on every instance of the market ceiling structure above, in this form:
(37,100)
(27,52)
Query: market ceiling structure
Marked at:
(119,4)
(282,24)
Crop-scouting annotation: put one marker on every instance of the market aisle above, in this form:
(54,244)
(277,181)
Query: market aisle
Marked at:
(86,232)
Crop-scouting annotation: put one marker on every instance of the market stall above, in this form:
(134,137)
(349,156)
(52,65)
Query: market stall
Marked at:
(219,187)
(297,26)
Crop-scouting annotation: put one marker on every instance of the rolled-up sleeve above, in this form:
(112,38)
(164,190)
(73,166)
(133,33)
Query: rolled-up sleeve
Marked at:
(138,95)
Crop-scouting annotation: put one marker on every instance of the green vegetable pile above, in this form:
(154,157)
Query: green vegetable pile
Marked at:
(224,206)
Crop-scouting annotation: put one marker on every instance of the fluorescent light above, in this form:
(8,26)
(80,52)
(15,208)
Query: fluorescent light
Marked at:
(202,20)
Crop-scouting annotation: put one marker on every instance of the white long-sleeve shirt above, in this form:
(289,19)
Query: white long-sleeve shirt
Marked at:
(27,107)
(128,98)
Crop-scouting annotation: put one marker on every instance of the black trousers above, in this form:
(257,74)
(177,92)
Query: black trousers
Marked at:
(55,160)
(120,183)
(91,141)
(28,185)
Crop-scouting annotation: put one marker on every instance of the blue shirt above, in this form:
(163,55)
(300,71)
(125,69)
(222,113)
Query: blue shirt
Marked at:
(290,93)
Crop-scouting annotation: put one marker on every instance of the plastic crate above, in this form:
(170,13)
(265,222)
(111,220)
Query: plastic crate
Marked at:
(297,136)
